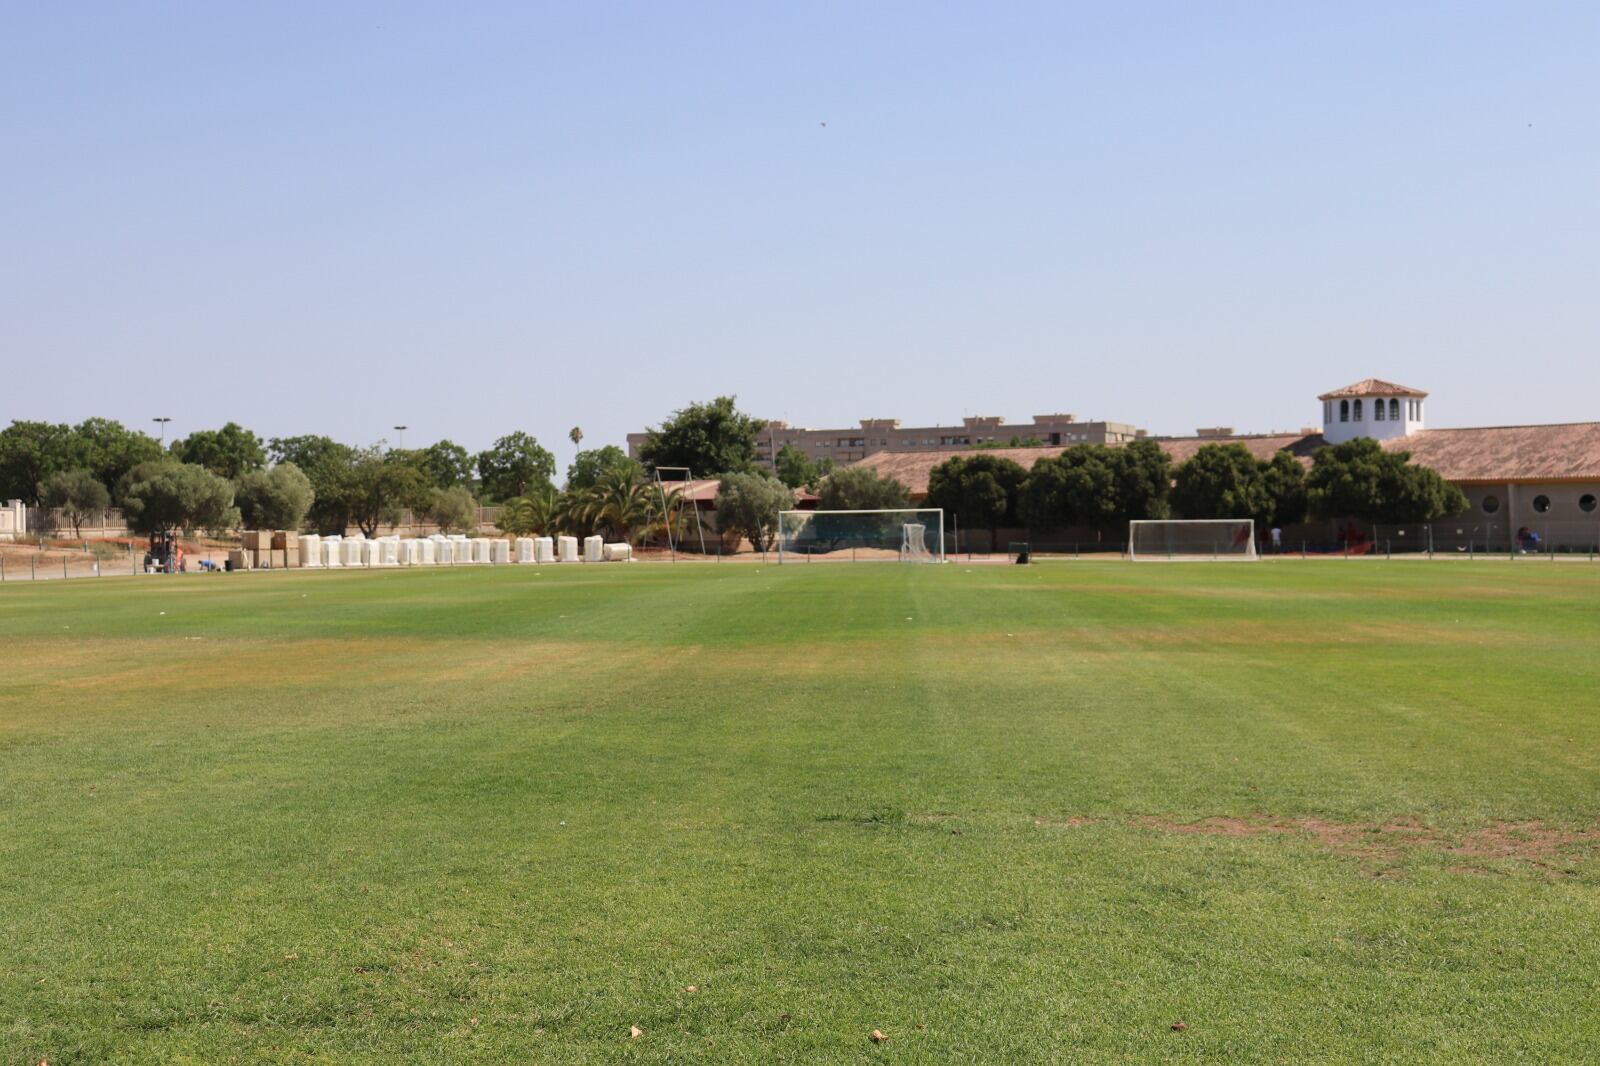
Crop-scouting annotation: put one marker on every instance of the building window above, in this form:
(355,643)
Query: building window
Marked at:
(1327,411)
(1344,410)
(1586,502)
(1541,504)
(1394,410)
(1491,504)
(1377,411)
(1357,417)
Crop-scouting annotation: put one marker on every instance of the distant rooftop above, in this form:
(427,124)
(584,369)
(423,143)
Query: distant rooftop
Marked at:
(1372,387)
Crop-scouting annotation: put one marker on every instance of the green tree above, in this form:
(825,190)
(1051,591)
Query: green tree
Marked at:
(229,452)
(108,449)
(1284,478)
(748,504)
(860,488)
(377,492)
(1143,472)
(588,467)
(1221,481)
(30,453)
(514,465)
(982,490)
(78,495)
(164,496)
(278,498)
(622,504)
(708,438)
(1359,479)
(795,468)
(328,464)
(1077,487)
(530,515)
(445,464)
(454,509)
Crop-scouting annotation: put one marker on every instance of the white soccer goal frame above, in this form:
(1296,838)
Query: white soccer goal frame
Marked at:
(1248,556)
(933,556)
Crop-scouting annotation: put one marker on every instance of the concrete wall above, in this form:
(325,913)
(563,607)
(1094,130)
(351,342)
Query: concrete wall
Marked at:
(13,521)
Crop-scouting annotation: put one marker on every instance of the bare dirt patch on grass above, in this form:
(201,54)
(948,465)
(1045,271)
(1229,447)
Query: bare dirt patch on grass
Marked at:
(1379,845)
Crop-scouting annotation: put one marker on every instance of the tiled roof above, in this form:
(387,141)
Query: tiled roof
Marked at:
(1372,387)
(1567,451)
(704,490)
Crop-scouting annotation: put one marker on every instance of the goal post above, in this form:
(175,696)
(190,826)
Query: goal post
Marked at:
(1192,539)
(903,535)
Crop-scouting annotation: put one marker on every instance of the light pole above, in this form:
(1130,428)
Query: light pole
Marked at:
(402,431)
(163,422)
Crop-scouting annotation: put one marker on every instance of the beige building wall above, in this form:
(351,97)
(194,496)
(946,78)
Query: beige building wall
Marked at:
(879,434)
(1561,512)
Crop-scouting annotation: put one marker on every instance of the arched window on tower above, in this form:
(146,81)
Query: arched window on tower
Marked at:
(1327,410)
(1394,410)
(1344,410)
(1377,411)
(1358,410)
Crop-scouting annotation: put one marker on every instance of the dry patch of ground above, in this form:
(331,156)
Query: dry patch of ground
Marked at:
(1555,850)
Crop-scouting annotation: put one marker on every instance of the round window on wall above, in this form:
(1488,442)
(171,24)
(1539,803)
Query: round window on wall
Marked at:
(1491,504)
(1586,502)
(1541,504)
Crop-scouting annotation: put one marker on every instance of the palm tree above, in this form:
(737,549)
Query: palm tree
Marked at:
(533,513)
(622,504)
(575,435)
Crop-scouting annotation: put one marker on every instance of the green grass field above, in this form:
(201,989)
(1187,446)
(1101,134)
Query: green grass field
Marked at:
(1316,811)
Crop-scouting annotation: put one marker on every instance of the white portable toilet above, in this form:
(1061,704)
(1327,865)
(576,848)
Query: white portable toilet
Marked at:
(499,551)
(480,551)
(407,553)
(425,552)
(371,552)
(544,550)
(460,548)
(389,551)
(332,554)
(569,549)
(619,553)
(311,550)
(441,549)
(594,549)
(351,552)
(524,549)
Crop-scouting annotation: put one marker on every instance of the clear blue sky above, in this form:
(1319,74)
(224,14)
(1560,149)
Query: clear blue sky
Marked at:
(478,218)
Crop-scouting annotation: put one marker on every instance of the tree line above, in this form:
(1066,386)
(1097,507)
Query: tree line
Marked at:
(230,478)
(1103,488)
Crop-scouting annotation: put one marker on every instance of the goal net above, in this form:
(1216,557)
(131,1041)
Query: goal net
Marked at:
(1192,539)
(905,535)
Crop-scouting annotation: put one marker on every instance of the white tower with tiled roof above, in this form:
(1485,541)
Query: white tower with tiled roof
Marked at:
(1371,408)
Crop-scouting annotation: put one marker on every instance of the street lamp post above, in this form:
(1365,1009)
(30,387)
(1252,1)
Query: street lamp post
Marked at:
(402,431)
(163,422)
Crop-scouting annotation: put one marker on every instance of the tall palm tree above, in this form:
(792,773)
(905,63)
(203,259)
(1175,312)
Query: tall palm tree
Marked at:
(575,435)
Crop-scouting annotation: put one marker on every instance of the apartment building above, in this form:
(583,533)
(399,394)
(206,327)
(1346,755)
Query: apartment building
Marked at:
(880,434)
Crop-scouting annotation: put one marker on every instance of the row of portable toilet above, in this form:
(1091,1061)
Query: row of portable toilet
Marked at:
(454,550)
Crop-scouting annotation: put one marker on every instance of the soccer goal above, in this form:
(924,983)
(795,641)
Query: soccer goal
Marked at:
(1230,539)
(905,536)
